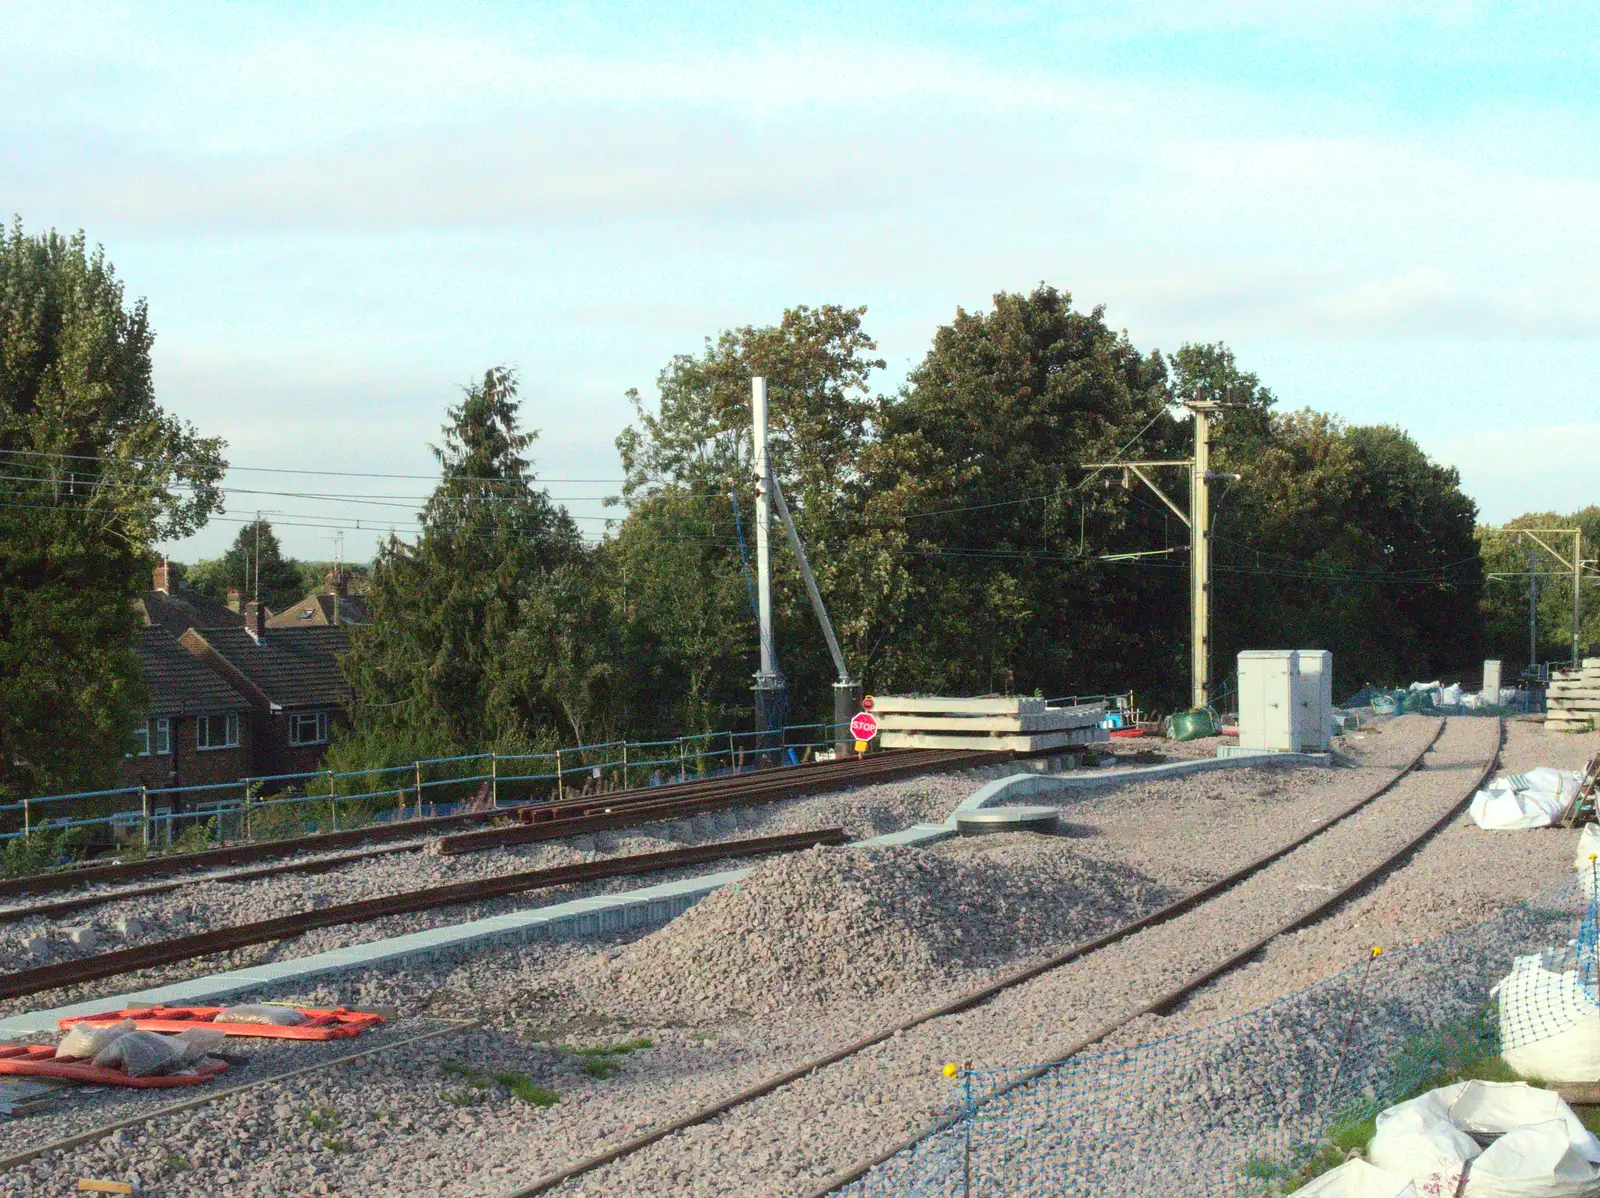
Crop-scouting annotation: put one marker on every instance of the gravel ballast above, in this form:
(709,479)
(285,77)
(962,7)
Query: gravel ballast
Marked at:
(548,1001)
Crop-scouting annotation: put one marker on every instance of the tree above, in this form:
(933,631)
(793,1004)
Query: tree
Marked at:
(97,473)
(1504,604)
(688,463)
(981,471)
(254,560)
(445,611)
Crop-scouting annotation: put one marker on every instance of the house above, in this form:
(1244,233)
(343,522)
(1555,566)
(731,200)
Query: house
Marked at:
(232,698)
(330,607)
(196,729)
(291,677)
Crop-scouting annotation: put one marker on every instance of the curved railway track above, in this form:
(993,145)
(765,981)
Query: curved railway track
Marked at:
(536,821)
(983,994)
(221,940)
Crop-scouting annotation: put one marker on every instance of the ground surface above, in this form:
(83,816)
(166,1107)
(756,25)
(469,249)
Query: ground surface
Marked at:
(730,993)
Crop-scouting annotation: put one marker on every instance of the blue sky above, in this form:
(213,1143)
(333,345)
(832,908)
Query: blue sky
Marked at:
(340,213)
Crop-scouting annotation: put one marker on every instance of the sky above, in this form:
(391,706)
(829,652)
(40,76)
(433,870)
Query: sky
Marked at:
(339,214)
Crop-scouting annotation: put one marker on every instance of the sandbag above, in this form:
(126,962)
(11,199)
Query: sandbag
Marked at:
(197,1042)
(1536,799)
(261,1013)
(1450,696)
(1549,1022)
(1537,1148)
(1358,1179)
(85,1041)
(142,1054)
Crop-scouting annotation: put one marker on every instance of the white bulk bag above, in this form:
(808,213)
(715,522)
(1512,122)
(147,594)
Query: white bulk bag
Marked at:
(1532,800)
(1450,696)
(1537,1148)
(1549,1023)
(1357,1179)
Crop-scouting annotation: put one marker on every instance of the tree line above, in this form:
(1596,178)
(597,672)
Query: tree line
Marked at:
(959,535)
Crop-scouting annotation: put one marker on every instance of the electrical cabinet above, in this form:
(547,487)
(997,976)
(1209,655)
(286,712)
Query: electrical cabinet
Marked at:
(1268,699)
(1491,682)
(1315,698)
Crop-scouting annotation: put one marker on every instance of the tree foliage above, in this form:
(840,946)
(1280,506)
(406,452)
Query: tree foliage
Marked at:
(450,654)
(98,473)
(253,564)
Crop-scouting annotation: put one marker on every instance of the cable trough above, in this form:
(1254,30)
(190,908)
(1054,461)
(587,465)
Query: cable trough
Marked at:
(221,940)
(984,993)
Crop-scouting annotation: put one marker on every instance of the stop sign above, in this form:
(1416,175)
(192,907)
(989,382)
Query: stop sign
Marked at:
(864,726)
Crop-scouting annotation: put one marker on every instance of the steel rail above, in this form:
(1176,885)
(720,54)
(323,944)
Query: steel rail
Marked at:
(977,997)
(1165,1002)
(221,940)
(797,780)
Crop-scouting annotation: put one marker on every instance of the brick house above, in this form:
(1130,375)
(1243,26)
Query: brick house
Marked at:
(196,729)
(231,698)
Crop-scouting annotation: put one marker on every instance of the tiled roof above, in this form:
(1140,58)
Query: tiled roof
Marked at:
(183,609)
(179,682)
(292,667)
(317,610)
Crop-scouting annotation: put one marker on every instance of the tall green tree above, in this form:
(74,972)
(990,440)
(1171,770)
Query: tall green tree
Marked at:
(97,472)
(433,666)
(1506,561)
(254,564)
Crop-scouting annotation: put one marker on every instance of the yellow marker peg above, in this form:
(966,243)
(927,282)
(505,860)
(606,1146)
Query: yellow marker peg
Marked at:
(1377,951)
(950,1070)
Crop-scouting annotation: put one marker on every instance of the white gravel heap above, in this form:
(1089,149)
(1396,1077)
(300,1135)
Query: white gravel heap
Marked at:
(854,922)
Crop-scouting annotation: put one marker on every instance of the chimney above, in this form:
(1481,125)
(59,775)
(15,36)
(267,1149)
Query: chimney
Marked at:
(336,582)
(255,618)
(161,577)
(235,599)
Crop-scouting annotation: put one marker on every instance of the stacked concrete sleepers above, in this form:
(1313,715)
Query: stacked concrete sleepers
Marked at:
(1573,701)
(992,722)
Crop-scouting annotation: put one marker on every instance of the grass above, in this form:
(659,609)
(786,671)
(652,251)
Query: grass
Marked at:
(333,1145)
(518,1085)
(522,1086)
(600,1062)
(178,1163)
(322,1118)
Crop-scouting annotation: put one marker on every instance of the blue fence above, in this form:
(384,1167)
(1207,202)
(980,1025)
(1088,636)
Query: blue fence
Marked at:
(1257,1105)
(287,804)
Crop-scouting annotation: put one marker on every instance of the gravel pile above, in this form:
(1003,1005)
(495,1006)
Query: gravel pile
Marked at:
(836,923)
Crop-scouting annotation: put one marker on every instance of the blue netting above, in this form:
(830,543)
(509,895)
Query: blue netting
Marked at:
(1258,1104)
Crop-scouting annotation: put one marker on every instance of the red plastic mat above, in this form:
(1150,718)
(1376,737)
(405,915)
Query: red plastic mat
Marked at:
(337,1024)
(40,1060)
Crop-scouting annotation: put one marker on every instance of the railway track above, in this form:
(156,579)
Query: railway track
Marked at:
(983,994)
(221,940)
(537,821)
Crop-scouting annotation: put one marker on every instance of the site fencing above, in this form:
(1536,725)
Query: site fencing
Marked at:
(148,817)
(1258,1105)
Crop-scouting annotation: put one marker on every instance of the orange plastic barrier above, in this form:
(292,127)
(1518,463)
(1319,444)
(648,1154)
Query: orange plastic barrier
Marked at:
(39,1060)
(337,1024)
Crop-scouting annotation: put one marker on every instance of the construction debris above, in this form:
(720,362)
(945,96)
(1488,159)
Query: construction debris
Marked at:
(994,722)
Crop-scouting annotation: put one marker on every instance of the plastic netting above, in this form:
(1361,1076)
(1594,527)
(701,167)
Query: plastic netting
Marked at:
(1259,1104)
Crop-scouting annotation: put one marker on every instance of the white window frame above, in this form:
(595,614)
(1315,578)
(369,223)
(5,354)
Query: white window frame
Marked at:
(230,730)
(163,737)
(141,739)
(319,720)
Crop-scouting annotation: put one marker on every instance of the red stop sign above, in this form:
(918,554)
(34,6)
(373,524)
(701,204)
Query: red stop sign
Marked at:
(864,726)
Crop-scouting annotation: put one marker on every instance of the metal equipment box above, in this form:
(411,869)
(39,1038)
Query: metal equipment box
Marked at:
(1269,684)
(1314,696)
(1491,682)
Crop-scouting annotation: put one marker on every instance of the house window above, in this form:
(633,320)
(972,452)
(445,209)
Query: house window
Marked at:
(308,728)
(163,737)
(218,731)
(141,739)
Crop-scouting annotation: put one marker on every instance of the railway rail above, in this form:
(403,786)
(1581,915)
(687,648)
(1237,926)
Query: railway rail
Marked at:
(545,820)
(221,940)
(983,994)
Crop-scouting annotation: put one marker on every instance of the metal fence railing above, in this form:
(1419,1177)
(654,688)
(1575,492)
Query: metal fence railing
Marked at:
(149,817)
